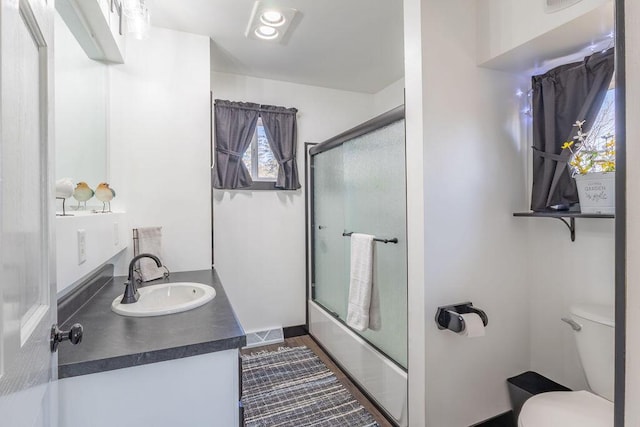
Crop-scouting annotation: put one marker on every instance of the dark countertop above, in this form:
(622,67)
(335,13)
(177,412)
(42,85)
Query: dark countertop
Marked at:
(112,341)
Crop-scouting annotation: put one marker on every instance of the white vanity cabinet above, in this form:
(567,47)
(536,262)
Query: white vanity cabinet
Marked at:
(192,391)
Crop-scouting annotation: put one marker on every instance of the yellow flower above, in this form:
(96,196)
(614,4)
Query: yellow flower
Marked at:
(567,144)
(611,143)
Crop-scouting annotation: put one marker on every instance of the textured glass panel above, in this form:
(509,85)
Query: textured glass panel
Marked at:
(22,188)
(375,194)
(259,158)
(267,164)
(360,186)
(330,272)
(246,158)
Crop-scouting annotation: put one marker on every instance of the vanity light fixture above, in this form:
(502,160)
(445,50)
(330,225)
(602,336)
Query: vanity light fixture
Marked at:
(137,17)
(270,23)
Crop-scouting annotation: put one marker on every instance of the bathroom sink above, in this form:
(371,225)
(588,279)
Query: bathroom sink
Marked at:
(167,298)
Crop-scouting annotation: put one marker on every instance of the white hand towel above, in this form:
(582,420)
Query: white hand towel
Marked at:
(363,310)
(150,242)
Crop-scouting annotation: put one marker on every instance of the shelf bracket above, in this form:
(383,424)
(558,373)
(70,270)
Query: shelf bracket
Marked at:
(571,225)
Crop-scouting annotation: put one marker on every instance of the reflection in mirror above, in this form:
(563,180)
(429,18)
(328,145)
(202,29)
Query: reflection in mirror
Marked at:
(80,112)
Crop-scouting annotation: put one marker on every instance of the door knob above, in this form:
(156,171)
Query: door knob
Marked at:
(57,336)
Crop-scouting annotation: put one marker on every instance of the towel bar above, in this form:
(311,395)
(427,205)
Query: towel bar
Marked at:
(375,239)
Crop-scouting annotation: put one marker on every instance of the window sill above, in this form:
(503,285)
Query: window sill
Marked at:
(261,186)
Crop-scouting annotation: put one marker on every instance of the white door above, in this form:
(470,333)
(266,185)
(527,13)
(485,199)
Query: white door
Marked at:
(27,262)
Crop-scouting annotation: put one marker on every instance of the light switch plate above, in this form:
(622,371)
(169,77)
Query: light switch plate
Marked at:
(82,246)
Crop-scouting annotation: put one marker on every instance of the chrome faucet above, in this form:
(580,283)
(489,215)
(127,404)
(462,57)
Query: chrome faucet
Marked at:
(131,294)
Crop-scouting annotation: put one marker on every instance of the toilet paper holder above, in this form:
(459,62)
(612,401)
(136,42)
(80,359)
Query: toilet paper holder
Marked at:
(449,316)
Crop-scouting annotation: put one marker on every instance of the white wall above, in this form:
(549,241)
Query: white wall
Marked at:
(389,97)
(560,273)
(105,237)
(563,273)
(260,235)
(632,28)
(474,249)
(506,24)
(160,134)
(417,318)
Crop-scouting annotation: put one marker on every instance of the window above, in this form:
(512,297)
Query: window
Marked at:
(600,139)
(604,127)
(260,168)
(572,89)
(259,158)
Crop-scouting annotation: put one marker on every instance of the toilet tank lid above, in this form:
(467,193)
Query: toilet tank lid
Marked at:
(600,313)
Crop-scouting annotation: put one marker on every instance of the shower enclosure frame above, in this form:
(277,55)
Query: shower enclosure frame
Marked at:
(361,343)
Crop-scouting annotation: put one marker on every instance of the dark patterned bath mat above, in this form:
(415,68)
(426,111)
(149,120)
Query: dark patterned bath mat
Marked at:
(292,387)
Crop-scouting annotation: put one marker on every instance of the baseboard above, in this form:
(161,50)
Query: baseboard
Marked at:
(502,420)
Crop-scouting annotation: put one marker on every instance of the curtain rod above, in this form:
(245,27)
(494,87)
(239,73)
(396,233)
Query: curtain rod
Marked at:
(265,110)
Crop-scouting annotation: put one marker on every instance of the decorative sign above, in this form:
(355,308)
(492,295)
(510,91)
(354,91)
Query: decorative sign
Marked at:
(596,192)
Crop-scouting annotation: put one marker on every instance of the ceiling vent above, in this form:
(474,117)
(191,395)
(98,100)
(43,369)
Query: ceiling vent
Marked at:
(556,5)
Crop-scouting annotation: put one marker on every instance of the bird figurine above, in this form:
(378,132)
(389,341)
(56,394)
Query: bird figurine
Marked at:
(105,195)
(82,193)
(64,190)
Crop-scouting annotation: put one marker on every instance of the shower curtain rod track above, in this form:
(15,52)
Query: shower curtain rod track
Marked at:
(376,123)
(375,239)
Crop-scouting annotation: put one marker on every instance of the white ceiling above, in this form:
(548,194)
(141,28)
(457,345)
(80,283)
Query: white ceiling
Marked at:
(352,45)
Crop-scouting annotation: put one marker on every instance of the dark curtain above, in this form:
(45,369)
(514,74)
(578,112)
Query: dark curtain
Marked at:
(562,96)
(235,124)
(282,134)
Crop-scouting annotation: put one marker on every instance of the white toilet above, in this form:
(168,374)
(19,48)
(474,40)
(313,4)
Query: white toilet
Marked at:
(583,408)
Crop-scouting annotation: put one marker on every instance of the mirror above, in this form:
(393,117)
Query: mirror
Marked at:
(81,112)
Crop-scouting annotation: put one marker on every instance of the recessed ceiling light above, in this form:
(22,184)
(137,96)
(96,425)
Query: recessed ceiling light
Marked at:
(266,32)
(273,18)
(271,24)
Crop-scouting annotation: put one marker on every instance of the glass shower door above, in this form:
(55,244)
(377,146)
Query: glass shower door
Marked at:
(360,186)
(329,270)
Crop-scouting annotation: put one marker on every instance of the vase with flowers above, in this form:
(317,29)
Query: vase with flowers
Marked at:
(593,165)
